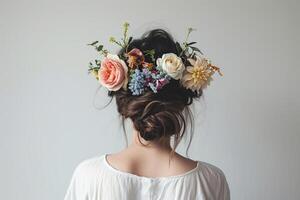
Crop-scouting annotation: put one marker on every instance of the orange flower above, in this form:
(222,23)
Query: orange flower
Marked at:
(199,75)
(135,58)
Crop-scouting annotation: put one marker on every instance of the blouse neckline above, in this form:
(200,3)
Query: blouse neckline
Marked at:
(148,178)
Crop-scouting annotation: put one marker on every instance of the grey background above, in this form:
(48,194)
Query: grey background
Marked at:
(247,122)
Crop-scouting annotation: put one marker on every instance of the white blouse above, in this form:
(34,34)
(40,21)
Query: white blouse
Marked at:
(96,179)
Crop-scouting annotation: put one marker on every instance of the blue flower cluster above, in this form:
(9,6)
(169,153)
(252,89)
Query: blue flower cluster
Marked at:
(137,82)
(141,79)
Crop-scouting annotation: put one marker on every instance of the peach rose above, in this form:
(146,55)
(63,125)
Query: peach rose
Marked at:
(113,73)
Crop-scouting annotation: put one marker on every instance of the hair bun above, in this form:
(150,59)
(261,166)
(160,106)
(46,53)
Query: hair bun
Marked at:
(157,120)
(147,128)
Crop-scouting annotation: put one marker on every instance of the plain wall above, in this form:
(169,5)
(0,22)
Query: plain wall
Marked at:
(247,123)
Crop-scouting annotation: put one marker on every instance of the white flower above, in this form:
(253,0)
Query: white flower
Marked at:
(171,64)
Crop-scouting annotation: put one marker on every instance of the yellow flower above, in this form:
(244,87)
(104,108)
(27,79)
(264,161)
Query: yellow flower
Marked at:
(199,75)
(125,26)
(112,39)
(95,73)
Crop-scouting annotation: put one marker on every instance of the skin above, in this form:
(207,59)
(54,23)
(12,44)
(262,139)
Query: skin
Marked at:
(152,160)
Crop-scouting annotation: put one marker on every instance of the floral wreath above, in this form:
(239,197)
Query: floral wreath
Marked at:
(130,70)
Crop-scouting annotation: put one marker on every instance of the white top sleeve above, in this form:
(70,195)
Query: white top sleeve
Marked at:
(224,192)
(76,189)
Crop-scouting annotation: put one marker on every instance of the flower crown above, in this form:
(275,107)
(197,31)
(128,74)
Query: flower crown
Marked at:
(130,70)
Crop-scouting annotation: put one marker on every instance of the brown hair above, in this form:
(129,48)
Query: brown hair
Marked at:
(163,114)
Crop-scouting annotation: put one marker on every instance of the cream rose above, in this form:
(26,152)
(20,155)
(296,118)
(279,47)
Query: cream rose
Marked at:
(171,64)
(113,73)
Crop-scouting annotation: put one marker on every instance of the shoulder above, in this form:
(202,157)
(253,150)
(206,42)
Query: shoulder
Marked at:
(83,178)
(87,168)
(213,177)
(210,170)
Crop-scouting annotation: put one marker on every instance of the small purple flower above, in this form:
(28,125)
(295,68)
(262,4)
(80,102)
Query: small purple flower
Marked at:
(161,82)
(153,79)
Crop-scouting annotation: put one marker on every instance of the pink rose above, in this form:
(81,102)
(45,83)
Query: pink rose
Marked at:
(113,73)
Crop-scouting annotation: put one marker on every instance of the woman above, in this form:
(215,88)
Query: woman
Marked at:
(154,80)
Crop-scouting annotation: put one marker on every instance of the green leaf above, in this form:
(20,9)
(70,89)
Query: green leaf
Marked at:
(97,62)
(93,43)
(99,48)
(150,53)
(178,47)
(129,40)
(196,49)
(191,43)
